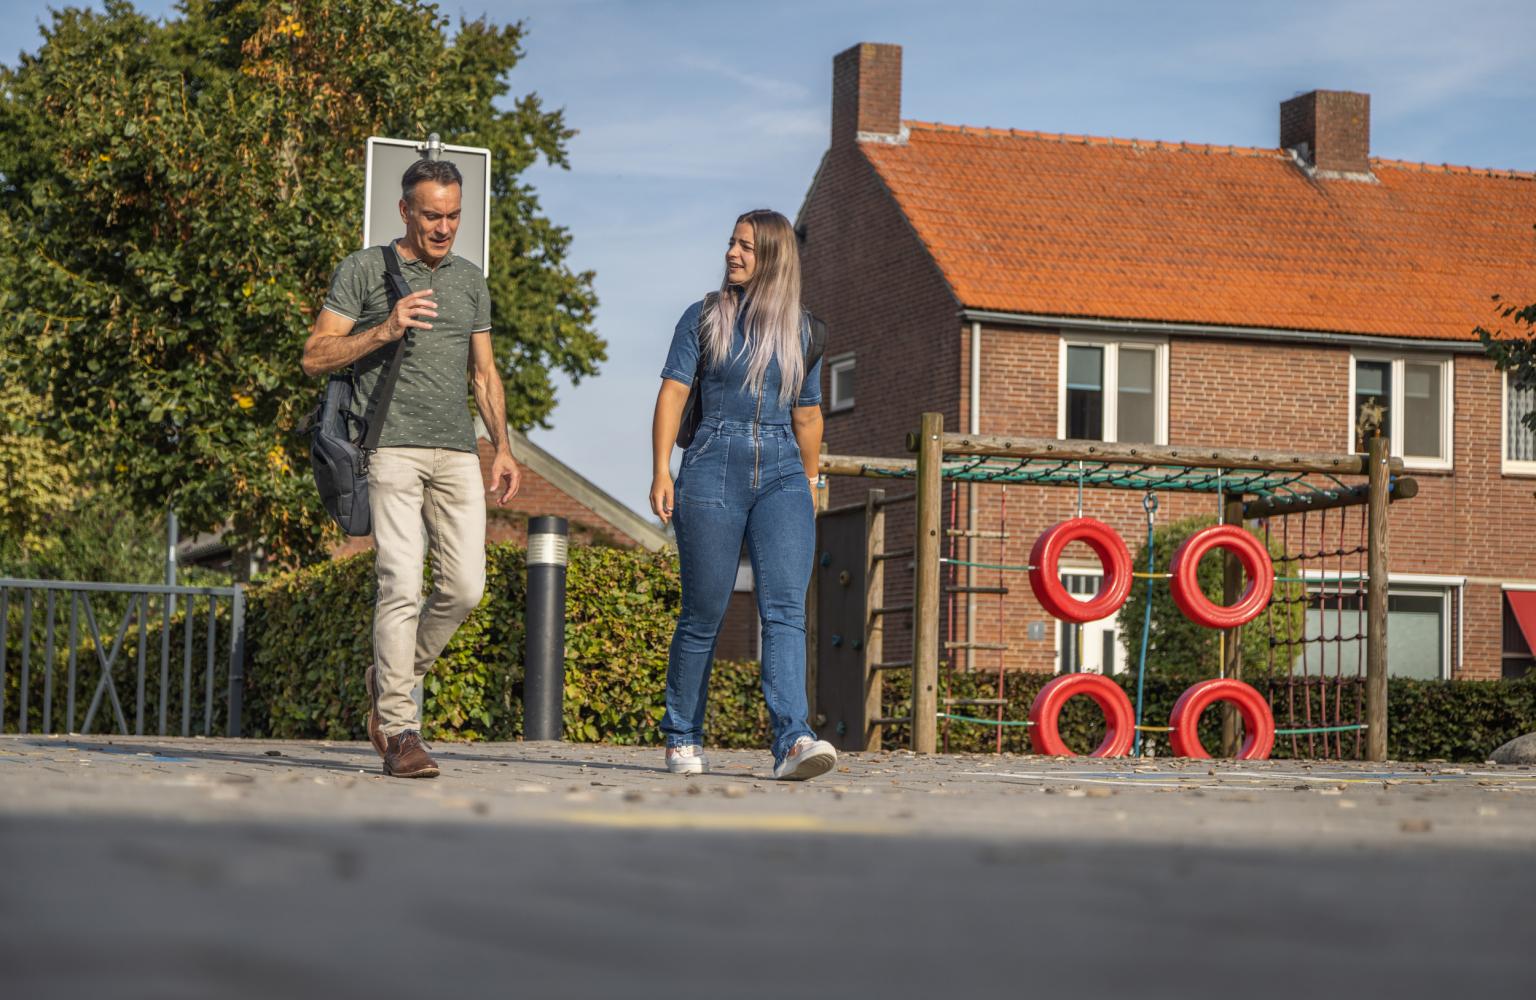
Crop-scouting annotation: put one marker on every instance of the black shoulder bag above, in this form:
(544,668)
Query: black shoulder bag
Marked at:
(340,440)
(693,410)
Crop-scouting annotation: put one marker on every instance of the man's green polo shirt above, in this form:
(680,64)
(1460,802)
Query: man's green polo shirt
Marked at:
(430,408)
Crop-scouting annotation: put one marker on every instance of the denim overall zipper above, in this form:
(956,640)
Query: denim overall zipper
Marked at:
(757,443)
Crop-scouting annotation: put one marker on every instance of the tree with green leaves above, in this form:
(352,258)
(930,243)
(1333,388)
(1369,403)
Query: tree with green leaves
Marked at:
(173,198)
(1515,354)
(1179,646)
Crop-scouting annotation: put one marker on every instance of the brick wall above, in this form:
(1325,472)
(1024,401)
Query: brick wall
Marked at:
(872,280)
(1469,522)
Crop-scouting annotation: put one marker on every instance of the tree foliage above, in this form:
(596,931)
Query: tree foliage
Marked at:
(1515,354)
(173,198)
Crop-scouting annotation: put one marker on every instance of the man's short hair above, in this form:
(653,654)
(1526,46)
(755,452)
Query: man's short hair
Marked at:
(438,171)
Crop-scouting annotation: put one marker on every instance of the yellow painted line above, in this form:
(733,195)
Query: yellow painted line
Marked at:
(727,822)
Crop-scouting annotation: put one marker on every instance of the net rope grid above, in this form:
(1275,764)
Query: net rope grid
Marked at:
(1145,477)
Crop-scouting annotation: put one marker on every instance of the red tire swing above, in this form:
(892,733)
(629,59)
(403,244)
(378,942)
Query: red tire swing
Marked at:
(1045,576)
(1185,582)
(1119,717)
(1258,720)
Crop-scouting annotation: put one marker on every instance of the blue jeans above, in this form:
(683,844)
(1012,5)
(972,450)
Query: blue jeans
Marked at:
(741,480)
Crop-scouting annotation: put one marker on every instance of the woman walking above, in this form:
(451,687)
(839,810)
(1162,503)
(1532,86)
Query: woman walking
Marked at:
(747,474)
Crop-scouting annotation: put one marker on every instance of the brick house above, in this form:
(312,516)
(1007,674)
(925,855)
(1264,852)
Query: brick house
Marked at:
(1072,286)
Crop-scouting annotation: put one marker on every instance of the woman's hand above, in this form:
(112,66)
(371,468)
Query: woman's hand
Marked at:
(661,496)
(669,413)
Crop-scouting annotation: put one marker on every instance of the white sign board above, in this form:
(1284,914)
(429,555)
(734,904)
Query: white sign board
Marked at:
(387,161)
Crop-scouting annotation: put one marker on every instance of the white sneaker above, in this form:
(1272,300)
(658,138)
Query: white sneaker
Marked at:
(686,760)
(806,759)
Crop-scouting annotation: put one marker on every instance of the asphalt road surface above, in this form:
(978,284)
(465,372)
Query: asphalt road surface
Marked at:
(160,868)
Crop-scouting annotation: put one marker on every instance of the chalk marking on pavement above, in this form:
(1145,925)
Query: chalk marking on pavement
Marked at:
(1124,781)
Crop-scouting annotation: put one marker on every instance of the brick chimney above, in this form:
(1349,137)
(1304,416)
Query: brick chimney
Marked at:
(866,93)
(1329,129)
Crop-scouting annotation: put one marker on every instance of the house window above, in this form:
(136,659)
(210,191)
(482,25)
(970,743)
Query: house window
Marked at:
(1518,646)
(1413,397)
(1418,629)
(1113,391)
(1519,440)
(1094,648)
(840,379)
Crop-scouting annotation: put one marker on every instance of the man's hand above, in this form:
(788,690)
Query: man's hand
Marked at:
(411,311)
(506,478)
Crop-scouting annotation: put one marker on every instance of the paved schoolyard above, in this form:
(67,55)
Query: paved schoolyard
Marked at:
(145,867)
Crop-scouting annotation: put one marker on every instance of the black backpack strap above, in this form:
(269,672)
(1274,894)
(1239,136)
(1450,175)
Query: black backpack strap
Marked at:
(698,332)
(395,288)
(818,345)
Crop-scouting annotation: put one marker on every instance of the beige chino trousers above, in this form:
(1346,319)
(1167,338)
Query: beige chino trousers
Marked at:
(409,487)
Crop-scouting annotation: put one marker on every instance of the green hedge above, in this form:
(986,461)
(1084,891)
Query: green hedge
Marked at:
(1450,720)
(309,640)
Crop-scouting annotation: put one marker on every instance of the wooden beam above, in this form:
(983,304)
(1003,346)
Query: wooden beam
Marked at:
(1376,604)
(1403,488)
(861,465)
(1197,456)
(925,631)
(874,625)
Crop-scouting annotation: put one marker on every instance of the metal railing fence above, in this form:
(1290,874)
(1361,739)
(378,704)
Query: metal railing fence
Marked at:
(34,612)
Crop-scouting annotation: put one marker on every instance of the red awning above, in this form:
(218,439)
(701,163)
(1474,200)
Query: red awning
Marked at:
(1523,604)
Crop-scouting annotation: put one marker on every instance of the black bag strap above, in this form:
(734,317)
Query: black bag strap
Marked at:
(698,333)
(395,288)
(818,340)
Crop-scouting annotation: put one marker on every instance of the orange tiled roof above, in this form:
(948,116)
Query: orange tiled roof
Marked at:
(1065,225)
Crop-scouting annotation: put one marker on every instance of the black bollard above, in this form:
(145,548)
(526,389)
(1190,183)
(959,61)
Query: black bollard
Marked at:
(544,664)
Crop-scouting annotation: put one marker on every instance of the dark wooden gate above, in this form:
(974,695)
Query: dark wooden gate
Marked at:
(840,616)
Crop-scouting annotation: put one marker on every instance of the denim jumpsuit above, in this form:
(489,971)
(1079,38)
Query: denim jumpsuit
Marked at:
(741,477)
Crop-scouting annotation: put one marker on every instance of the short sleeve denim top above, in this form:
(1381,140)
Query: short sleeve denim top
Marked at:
(725,394)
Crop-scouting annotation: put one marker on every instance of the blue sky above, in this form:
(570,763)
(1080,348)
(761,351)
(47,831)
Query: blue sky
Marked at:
(691,112)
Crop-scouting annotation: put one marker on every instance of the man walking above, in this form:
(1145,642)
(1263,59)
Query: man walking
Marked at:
(426,469)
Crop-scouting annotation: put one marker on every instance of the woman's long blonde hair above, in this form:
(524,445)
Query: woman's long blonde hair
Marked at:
(773,316)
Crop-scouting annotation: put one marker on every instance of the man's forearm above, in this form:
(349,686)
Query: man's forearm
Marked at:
(323,355)
(491,401)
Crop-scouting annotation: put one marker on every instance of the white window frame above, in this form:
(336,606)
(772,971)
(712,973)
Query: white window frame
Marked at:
(1507,465)
(1119,660)
(843,362)
(1111,346)
(1446,588)
(1395,406)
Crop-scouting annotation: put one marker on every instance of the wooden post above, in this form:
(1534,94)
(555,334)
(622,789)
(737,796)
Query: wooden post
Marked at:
(1376,602)
(874,625)
(1232,663)
(925,585)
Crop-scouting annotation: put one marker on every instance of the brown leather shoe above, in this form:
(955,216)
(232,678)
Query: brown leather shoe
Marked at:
(405,756)
(375,732)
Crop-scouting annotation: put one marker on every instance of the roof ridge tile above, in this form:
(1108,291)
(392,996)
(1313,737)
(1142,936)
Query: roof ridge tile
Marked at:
(1209,149)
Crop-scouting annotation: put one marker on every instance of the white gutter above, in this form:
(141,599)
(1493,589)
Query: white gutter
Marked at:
(1214,330)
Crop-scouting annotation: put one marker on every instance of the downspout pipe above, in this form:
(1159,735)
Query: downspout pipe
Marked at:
(970,500)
